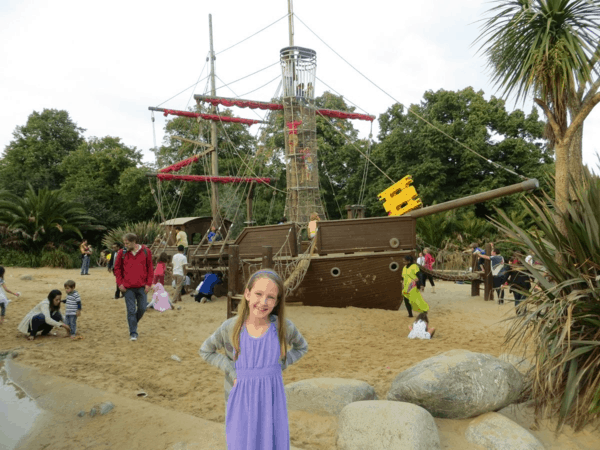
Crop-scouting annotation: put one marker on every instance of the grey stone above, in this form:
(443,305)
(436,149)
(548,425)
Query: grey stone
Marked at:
(458,384)
(521,363)
(497,432)
(93,411)
(382,424)
(175,358)
(326,395)
(106,407)
(14,354)
(81,413)
(26,277)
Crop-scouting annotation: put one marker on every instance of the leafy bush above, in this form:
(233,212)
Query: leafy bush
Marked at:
(563,320)
(57,258)
(17,258)
(145,231)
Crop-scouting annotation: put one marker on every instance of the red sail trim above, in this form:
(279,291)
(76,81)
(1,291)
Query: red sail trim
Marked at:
(180,165)
(241,103)
(200,178)
(214,117)
(345,115)
(277,106)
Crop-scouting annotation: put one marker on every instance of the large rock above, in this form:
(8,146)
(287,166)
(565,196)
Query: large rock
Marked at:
(458,384)
(521,363)
(327,395)
(375,425)
(497,432)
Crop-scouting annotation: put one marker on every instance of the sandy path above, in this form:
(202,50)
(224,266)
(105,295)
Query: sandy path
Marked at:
(368,345)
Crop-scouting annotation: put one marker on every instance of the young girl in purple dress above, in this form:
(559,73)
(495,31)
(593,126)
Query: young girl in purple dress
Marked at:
(256,351)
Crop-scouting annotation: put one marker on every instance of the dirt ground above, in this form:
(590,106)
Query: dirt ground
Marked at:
(363,344)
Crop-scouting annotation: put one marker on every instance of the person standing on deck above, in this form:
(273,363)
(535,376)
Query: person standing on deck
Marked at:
(181,239)
(134,272)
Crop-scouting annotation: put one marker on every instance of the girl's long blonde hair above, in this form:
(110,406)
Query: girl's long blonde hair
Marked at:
(243,311)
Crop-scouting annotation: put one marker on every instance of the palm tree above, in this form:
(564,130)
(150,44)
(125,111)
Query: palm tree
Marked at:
(39,218)
(547,48)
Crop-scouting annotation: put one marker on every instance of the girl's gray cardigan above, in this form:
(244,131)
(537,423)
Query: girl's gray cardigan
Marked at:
(221,339)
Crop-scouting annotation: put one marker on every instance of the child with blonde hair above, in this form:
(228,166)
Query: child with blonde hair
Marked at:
(256,352)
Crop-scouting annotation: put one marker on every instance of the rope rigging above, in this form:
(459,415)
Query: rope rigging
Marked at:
(410,109)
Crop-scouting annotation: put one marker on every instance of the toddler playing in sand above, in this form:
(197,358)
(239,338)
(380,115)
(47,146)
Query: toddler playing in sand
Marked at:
(160,298)
(420,329)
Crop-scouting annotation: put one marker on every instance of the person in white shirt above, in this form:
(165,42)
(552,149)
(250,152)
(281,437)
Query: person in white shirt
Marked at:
(421,262)
(179,261)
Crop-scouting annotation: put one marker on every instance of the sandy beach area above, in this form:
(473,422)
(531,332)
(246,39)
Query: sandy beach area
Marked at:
(362,344)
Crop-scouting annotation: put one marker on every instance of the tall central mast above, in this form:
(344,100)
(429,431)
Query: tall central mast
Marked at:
(291,21)
(214,202)
(298,67)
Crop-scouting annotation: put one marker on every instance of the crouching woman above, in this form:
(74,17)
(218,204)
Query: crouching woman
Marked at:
(44,316)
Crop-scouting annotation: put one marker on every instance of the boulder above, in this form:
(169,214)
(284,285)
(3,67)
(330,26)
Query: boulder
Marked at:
(521,363)
(497,432)
(326,395)
(375,425)
(458,384)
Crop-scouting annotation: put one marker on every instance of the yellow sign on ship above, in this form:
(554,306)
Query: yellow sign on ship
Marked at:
(400,198)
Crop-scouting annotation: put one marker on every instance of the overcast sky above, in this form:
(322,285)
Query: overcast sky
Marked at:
(106,62)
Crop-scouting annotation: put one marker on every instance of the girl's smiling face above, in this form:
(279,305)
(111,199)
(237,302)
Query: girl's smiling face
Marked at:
(262,298)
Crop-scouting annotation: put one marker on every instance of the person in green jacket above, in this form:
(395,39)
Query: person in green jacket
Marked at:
(411,292)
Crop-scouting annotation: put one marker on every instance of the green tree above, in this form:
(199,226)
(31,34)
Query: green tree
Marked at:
(341,166)
(92,176)
(547,48)
(36,151)
(41,217)
(442,169)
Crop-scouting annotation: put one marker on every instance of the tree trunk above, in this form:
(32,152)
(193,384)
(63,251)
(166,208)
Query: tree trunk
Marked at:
(562,184)
(576,160)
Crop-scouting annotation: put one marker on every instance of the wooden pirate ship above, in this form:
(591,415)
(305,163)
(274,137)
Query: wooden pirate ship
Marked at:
(352,262)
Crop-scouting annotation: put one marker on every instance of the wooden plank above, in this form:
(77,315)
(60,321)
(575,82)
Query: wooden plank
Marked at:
(372,234)
(252,239)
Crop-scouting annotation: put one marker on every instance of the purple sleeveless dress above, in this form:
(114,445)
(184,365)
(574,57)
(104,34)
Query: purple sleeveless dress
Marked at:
(256,409)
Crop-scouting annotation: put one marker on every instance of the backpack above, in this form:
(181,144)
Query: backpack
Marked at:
(125,251)
(500,269)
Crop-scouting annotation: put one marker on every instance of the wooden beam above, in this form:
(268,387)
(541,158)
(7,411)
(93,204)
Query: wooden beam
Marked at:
(191,141)
(267,257)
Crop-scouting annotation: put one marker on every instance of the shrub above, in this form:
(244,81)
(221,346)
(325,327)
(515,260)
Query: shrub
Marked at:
(57,258)
(562,323)
(145,231)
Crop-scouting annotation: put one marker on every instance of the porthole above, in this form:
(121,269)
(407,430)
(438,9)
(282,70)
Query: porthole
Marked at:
(394,243)
(394,266)
(335,272)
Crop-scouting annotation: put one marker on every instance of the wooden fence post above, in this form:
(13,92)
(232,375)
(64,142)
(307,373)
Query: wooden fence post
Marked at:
(488,291)
(233,278)
(267,257)
(475,284)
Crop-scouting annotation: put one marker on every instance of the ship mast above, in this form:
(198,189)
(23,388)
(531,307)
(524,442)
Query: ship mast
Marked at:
(214,201)
(298,67)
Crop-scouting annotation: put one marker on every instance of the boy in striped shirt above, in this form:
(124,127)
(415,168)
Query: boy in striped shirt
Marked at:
(73,309)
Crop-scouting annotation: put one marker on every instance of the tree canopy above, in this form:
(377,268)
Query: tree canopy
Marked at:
(37,150)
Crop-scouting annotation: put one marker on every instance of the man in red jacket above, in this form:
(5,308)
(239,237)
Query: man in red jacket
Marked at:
(134,272)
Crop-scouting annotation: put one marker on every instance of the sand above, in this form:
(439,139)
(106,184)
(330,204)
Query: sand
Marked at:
(368,345)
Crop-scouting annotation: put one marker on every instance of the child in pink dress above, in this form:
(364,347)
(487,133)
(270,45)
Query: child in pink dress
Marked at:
(160,299)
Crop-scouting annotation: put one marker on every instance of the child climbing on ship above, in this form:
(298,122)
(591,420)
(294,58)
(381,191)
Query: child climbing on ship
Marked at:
(412,295)
(421,329)
(4,301)
(256,352)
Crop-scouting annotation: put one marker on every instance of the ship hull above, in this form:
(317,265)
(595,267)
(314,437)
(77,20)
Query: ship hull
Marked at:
(369,280)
